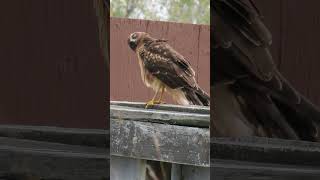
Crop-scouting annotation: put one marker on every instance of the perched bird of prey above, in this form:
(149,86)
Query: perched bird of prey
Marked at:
(165,70)
(250,96)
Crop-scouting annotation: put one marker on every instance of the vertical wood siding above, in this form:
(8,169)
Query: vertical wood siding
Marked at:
(51,68)
(192,41)
(295,26)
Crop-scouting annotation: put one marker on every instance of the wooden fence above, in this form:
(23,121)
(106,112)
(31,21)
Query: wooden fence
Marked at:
(294,25)
(192,41)
(51,67)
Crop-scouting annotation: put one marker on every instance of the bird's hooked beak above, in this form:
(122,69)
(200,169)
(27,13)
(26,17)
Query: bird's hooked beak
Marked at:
(132,44)
(133,41)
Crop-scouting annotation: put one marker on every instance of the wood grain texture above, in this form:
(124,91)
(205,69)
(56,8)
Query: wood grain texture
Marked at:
(52,71)
(295,25)
(192,41)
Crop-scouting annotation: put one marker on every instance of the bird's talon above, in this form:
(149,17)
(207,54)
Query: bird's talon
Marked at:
(150,103)
(157,102)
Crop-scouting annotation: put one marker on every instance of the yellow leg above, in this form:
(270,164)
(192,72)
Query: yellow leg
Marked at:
(152,101)
(159,101)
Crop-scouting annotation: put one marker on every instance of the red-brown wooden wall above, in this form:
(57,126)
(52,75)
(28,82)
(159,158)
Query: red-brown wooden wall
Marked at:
(51,68)
(192,41)
(295,26)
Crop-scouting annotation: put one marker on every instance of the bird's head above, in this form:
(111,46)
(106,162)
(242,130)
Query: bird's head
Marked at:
(137,38)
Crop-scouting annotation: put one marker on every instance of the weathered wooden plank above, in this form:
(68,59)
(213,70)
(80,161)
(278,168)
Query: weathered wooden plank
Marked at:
(71,136)
(266,150)
(53,160)
(160,142)
(236,170)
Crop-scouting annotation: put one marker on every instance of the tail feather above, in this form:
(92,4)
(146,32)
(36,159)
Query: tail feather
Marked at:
(197,96)
(300,113)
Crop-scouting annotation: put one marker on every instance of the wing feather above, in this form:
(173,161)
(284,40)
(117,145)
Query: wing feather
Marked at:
(239,32)
(167,65)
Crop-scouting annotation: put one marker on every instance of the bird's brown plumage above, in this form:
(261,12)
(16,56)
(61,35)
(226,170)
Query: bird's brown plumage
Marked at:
(162,66)
(251,97)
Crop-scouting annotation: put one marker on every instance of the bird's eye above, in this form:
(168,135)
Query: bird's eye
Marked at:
(134,36)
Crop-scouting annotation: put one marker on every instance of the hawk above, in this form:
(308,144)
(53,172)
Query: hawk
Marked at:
(165,70)
(250,95)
